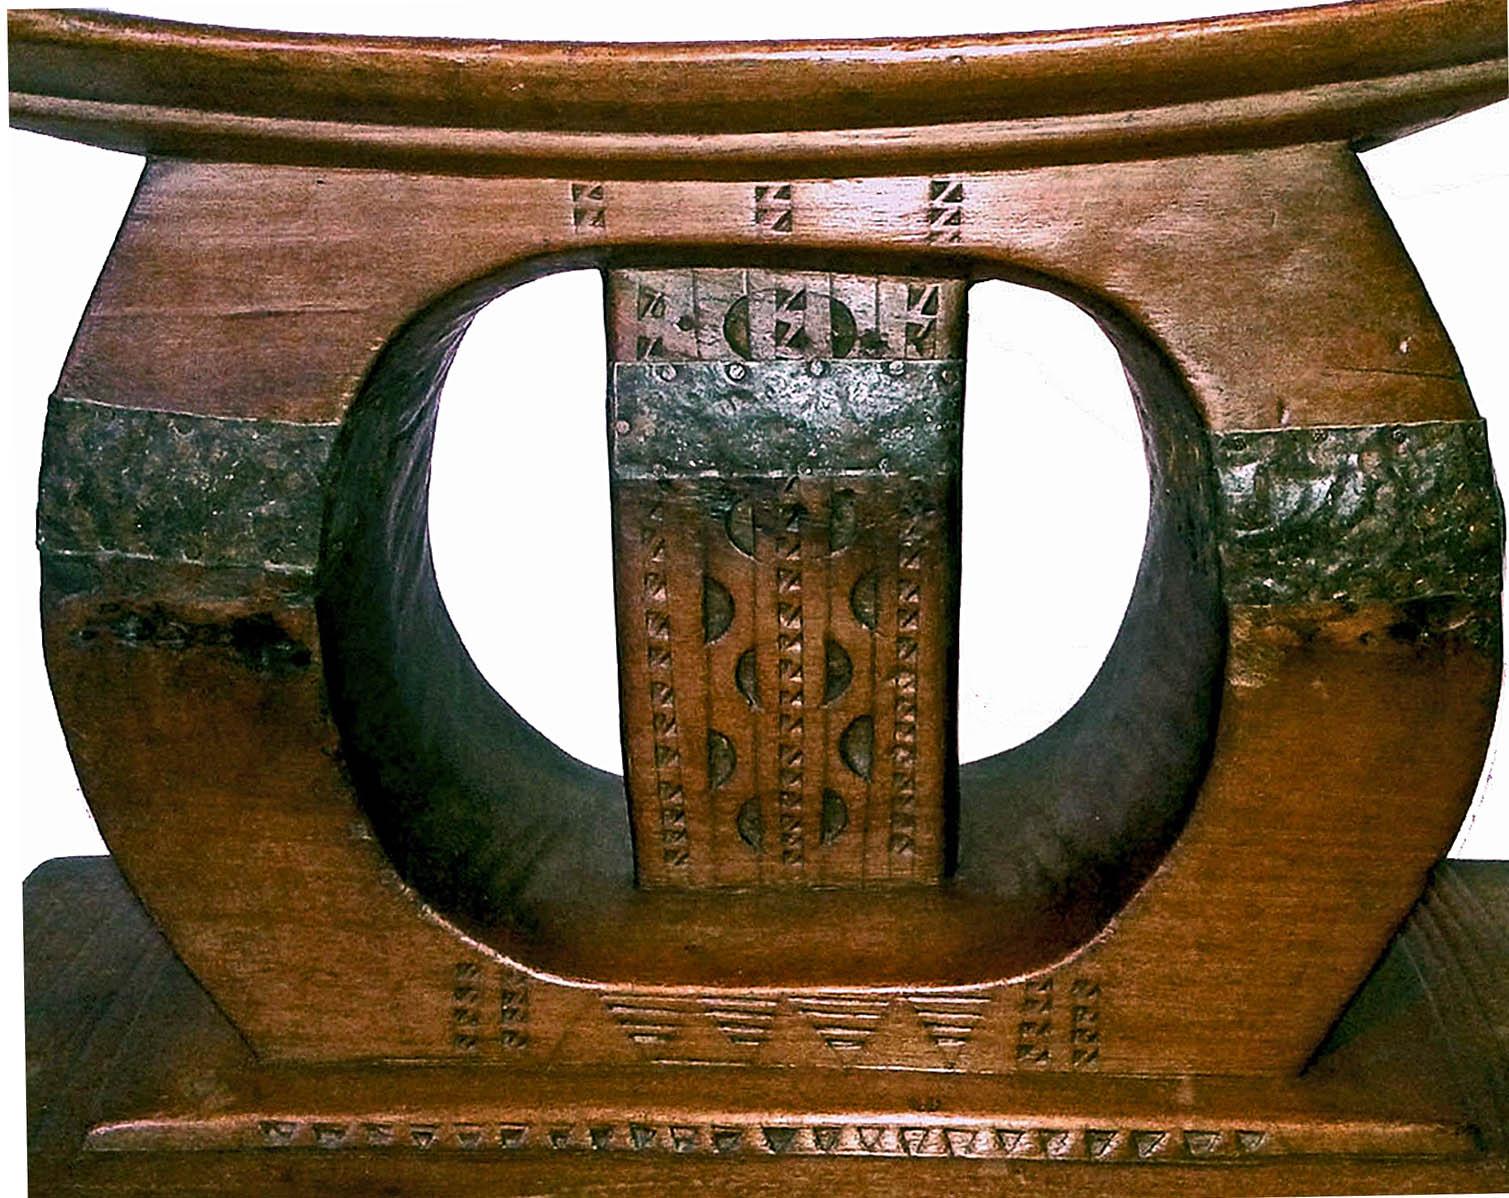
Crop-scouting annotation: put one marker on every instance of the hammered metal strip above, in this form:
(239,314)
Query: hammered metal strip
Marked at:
(690,419)
(181,488)
(1379,512)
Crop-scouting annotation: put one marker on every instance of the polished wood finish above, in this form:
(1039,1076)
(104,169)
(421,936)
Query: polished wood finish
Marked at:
(129,1058)
(785,455)
(389,884)
(1337,73)
(319,308)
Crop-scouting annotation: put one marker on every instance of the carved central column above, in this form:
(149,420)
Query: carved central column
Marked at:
(784,455)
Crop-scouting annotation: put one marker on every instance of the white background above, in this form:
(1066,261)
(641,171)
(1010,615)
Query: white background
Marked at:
(521,427)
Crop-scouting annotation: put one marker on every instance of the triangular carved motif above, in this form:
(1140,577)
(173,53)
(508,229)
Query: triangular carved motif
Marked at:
(745,1019)
(872,1139)
(962,1141)
(1201,1143)
(1148,1142)
(844,1021)
(778,1139)
(921,1141)
(950,1019)
(1057,1143)
(1009,1138)
(727,1139)
(1099,1143)
(655,1023)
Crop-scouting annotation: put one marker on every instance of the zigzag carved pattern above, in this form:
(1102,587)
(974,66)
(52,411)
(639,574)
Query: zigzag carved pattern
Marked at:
(789,693)
(666,734)
(670,1028)
(589,206)
(466,1007)
(922,303)
(945,209)
(1053,1143)
(903,840)
(773,207)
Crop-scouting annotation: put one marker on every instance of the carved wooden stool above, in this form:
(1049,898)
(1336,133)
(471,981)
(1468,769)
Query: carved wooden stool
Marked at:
(401,943)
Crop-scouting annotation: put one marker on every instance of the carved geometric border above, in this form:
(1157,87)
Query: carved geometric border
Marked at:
(876,1138)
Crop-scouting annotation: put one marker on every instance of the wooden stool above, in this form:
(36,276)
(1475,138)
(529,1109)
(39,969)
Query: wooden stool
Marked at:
(401,943)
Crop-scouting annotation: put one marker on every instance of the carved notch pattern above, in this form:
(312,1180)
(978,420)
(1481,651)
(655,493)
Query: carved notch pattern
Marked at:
(648,303)
(674,843)
(903,841)
(653,1022)
(665,1028)
(845,1022)
(589,206)
(773,210)
(466,1007)
(1034,1040)
(725,387)
(1084,1024)
(945,209)
(789,696)
(745,1019)
(513,1010)
(920,332)
(988,1141)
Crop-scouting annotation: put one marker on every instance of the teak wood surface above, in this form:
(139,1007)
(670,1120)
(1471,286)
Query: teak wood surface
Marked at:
(1112,959)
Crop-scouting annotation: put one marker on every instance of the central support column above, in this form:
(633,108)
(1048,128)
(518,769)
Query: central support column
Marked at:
(785,454)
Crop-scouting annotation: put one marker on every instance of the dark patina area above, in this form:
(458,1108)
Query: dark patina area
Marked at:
(786,417)
(1400,511)
(257,639)
(181,488)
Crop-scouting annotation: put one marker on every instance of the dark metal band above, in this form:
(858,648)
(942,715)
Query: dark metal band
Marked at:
(774,419)
(181,488)
(1308,514)
(1378,512)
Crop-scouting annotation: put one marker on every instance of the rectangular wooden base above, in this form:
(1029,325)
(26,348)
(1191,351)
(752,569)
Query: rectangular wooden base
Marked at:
(138,1085)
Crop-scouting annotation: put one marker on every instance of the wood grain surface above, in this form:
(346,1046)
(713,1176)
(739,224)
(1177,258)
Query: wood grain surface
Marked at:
(121,1040)
(1338,73)
(317,328)
(1124,946)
